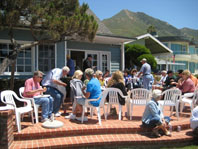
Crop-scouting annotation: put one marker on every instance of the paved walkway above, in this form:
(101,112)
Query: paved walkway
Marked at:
(74,134)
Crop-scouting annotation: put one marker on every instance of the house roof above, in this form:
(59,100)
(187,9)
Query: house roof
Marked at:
(111,39)
(154,44)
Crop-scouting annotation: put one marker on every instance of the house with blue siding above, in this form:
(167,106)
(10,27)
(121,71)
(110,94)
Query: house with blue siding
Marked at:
(107,52)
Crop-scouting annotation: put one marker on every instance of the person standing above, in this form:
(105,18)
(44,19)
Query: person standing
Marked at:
(70,64)
(87,63)
(146,72)
(53,83)
(33,89)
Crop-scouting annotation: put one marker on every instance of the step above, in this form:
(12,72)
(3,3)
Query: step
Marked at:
(83,129)
(183,137)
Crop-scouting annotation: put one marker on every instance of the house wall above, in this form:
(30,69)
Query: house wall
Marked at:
(23,35)
(61,54)
(114,50)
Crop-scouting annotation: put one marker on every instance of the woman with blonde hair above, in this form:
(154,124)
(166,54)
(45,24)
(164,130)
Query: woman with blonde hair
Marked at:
(76,89)
(99,77)
(117,81)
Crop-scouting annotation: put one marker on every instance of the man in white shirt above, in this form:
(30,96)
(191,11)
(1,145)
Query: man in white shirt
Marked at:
(52,82)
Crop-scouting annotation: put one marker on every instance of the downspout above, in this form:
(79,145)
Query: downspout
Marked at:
(123,53)
(122,57)
(65,51)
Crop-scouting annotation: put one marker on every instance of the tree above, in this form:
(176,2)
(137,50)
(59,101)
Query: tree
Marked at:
(150,59)
(49,21)
(151,30)
(134,53)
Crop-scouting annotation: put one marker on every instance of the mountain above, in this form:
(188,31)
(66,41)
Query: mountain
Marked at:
(190,33)
(131,24)
(102,29)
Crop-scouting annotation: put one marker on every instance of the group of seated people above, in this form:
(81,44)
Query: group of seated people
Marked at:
(91,89)
(185,81)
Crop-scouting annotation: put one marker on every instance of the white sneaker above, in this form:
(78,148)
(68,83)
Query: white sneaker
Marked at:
(71,116)
(52,118)
(44,120)
(80,119)
(57,114)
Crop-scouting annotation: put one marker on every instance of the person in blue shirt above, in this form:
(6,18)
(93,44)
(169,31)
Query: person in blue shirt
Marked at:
(70,64)
(146,72)
(93,91)
(153,116)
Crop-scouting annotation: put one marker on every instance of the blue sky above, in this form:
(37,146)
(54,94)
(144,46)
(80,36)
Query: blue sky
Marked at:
(179,13)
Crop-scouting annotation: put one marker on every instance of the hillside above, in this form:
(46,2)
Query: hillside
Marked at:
(130,24)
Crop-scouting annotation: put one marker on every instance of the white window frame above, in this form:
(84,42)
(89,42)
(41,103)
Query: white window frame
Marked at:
(32,58)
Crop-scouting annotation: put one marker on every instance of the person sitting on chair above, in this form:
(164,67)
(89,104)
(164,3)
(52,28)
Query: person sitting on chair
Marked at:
(153,116)
(33,89)
(76,90)
(185,84)
(93,91)
(117,81)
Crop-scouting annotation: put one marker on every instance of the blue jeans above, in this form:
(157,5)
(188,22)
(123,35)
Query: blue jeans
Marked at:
(47,105)
(155,121)
(58,98)
(146,82)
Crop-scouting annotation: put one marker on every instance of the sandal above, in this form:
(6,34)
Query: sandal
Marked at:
(156,133)
(167,133)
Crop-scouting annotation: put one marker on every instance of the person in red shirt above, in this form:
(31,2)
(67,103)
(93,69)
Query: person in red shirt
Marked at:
(34,90)
(185,84)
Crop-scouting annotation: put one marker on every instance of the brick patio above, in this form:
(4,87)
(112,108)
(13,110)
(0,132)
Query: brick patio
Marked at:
(112,133)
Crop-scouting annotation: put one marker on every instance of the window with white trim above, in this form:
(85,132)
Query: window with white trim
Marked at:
(23,63)
(46,57)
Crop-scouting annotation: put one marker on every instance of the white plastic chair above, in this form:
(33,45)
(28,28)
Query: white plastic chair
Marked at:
(35,106)
(138,96)
(101,105)
(73,89)
(113,99)
(171,98)
(191,101)
(8,97)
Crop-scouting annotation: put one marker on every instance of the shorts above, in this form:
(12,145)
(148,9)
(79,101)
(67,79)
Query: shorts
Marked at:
(81,101)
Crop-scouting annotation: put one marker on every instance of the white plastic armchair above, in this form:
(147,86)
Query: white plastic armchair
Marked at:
(101,105)
(113,99)
(191,101)
(8,97)
(140,97)
(35,106)
(171,98)
(74,92)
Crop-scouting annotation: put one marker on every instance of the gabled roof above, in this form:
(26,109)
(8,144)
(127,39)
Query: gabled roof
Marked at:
(154,44)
